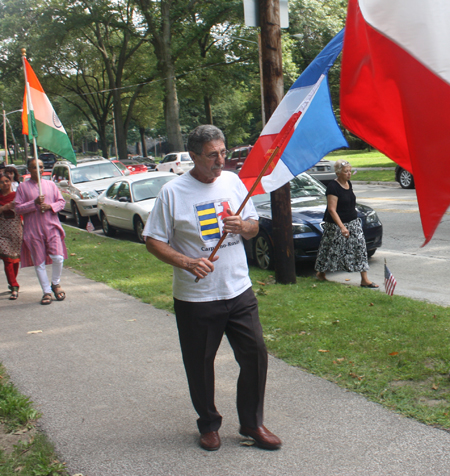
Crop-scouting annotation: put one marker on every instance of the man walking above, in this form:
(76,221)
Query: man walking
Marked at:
(43,235)
(190,215)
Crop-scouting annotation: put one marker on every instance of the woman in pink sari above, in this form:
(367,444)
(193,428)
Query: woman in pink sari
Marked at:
(10,235)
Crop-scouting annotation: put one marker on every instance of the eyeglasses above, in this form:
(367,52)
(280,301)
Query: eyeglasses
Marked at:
(215,155)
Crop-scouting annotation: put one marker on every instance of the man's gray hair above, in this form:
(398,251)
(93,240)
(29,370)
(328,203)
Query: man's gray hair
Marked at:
(201,135)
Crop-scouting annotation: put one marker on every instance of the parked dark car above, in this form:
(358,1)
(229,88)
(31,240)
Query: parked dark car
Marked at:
(308,202)
(236,157)
(48,159)
(404,178)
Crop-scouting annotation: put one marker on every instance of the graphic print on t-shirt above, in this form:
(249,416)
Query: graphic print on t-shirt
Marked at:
(210,216)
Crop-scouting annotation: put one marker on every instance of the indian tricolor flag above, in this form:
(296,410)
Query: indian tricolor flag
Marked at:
(39,119)
(395,91)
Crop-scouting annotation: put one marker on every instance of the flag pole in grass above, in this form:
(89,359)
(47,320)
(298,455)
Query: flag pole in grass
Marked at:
(389,280)
(274,152)
(40,121)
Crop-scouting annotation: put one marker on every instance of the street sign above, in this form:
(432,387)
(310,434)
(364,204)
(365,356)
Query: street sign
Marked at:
(251,13)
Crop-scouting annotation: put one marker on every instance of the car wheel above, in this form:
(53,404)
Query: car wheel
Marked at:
(138,229)
(171,170)
(62,217)
(370,253)
(80,220)
(263,251)
(405,179)
(107,230)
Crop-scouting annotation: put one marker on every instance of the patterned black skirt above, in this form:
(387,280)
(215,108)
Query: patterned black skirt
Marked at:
(337,253)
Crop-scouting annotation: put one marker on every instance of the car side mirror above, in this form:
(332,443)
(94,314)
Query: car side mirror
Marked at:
(64,183)
(124,199)
(126,172)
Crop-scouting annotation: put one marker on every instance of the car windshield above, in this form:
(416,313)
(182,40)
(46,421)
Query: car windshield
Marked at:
(306,186)
(145,160)
(301,186)
(94,172)
(120,166)
(149,188)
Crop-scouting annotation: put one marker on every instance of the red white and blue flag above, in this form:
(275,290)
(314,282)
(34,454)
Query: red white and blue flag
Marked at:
(389,281)
(314,133)
(395,91)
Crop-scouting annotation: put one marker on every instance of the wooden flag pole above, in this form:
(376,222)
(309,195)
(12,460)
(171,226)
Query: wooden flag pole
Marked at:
(27,87)
(247,198)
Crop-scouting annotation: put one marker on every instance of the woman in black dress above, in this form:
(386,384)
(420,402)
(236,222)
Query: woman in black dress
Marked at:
(343,246)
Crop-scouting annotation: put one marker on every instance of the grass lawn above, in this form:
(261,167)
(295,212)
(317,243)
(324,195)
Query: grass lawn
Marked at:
(373,176)
(393,350)
(358,158)
(24,451)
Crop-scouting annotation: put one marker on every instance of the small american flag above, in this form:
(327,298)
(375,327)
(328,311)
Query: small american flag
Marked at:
(389,281)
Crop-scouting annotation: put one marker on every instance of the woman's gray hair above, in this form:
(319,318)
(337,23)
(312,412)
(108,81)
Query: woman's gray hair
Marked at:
(340,164)
(201,135)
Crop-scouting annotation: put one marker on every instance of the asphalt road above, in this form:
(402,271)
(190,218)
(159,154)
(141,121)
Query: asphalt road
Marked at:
(421,272)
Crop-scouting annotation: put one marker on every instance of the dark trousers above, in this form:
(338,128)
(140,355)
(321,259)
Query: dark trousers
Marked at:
(201,326)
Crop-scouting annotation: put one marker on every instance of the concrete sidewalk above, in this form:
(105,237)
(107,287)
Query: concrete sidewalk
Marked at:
(106,373)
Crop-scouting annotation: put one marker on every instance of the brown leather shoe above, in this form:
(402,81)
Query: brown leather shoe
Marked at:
(210,441)
(263,437)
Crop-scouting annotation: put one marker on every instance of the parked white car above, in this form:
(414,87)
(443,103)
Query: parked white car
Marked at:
(176,162)
(81,184)
(127,203)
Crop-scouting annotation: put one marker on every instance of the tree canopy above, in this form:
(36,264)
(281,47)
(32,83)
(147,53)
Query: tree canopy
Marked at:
(157,68)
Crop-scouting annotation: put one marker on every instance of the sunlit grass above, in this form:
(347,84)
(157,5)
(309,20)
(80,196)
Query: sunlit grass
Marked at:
(358,158)
(373,176)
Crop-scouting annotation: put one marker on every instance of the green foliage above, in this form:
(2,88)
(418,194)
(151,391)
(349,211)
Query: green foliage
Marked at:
(36,458)
(15,409)
(84,51)
(33,455)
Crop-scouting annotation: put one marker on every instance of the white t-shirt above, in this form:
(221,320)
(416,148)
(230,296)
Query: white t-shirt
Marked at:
(188,215)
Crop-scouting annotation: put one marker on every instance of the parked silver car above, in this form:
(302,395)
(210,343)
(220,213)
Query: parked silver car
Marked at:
(127,203)
(176,162)
(323,171)
(81,184)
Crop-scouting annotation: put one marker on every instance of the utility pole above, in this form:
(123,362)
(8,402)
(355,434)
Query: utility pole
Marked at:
(273,88)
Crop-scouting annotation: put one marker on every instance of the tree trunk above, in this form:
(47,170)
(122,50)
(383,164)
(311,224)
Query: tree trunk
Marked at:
(171,105)
(143,142)
(208,109)
(103,144)
(122,151)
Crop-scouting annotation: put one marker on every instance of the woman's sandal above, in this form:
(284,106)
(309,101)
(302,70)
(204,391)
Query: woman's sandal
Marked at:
(14,293)
(371,286)
(46,299)
(60,295)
